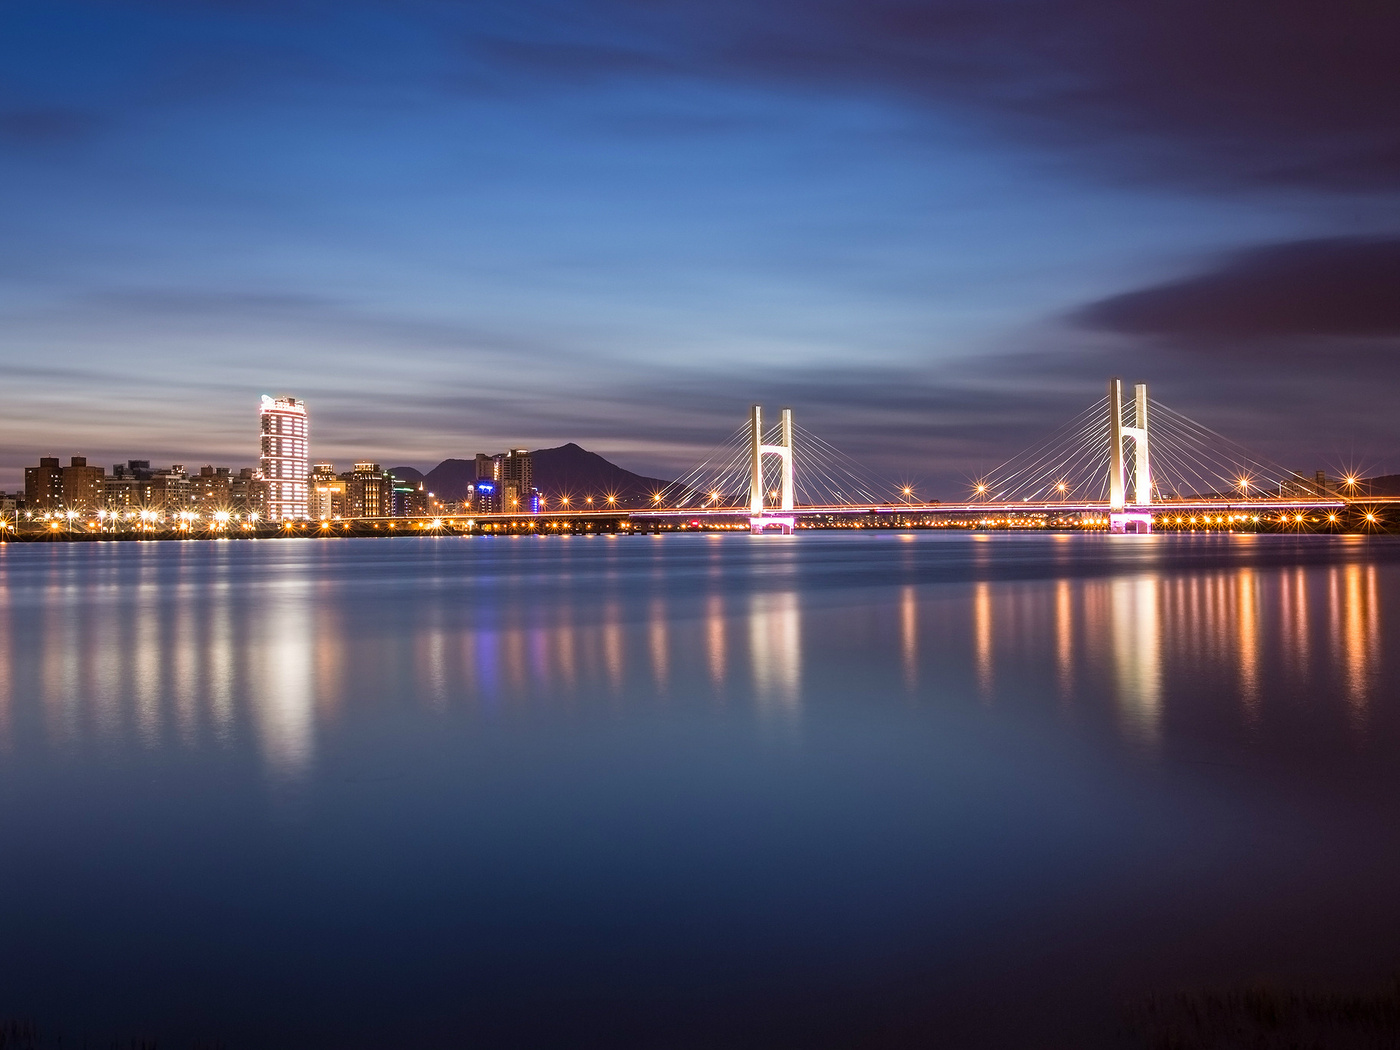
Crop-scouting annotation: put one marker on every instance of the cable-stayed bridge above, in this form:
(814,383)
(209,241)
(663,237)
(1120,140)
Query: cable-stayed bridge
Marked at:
(1125,465)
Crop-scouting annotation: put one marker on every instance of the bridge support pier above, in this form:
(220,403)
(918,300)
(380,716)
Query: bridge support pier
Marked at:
(757,503)
(1120,518)
(782,523)
(1130,521)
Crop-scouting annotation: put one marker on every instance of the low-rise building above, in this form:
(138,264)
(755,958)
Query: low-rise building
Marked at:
(327,493)
(369,492)
(82,486)
(43,486)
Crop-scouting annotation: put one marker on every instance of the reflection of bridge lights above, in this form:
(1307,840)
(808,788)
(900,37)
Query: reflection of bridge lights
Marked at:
(1332,518)
(1297,517)
(1371,518)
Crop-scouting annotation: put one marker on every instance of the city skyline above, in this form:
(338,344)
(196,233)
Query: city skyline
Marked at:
(927,229)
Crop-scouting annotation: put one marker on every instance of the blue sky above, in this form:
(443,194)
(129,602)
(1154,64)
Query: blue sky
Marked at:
(933,229)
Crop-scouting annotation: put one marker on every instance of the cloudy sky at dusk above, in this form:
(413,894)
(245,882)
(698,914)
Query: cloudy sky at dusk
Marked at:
(933,229)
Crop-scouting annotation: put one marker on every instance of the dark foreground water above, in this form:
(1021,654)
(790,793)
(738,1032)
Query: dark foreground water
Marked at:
(690,791)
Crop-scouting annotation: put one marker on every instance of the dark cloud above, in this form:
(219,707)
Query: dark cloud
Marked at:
(1295,91)
(1329,287)
(1299,92)
(39,126)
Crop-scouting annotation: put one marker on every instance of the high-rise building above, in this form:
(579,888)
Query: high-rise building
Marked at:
(43,485)
(285,434)
(515,469)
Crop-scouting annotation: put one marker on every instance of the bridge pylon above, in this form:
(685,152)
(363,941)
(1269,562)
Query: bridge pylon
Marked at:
(758,520)
(1120,517)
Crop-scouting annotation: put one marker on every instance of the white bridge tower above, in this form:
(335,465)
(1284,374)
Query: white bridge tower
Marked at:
(1120,518)
(783,450)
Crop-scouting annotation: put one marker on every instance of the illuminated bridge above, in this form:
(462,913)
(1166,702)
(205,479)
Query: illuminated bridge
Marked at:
(1121,466)
(1124,467)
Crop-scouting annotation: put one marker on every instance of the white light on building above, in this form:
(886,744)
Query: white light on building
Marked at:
(284,457)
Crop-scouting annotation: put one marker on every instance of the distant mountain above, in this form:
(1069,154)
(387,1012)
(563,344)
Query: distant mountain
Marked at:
(568,470)
(577,473)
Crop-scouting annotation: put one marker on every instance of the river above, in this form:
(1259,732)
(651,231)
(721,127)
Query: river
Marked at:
(840,788)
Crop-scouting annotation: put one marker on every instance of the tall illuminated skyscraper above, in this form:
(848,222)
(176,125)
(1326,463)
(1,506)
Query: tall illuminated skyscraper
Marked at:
(285,457)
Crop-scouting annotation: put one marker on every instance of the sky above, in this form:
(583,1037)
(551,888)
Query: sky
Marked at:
(932,229)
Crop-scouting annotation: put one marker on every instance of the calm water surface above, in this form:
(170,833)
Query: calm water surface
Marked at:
(889,789)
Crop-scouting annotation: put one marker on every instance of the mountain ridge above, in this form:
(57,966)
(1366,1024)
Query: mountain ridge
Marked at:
(564,470)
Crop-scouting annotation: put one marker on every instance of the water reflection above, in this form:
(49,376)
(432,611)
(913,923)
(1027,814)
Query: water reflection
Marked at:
(185,652)
(775,648)
(1064,639)
(283,703)
(715,652)
(982,635)
(909,636)
(7,675)
(1355,630)
(1135,627)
